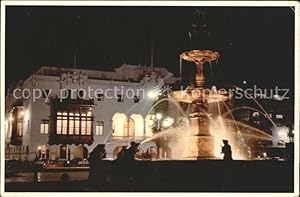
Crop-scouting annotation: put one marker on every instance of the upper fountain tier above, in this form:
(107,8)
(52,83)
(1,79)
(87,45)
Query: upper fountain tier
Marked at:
(200,56)
(199,94)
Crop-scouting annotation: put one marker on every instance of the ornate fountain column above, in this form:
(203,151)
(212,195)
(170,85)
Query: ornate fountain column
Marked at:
(200,78)
(199,141)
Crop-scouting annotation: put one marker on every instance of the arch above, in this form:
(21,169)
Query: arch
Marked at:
(129,128)
(118,124)
(62,152)
(45,151)
(139,124)
(81,152)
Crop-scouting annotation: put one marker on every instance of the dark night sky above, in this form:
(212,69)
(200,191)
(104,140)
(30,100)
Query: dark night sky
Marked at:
(256,44)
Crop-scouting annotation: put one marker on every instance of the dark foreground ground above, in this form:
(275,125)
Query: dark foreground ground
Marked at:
(178,176)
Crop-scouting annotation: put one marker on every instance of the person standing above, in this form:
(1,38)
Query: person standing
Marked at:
(226,150)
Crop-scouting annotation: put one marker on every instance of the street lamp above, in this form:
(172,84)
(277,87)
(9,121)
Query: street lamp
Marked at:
(158,116)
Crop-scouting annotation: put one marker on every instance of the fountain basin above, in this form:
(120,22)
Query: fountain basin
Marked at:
(200,55)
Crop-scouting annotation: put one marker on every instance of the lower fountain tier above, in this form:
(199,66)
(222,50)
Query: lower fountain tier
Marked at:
(200,147)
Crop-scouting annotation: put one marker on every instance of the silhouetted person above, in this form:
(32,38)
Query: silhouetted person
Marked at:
(125,166)
(131,151)
(226,150)
(97,168)
(35,169)
(121,154)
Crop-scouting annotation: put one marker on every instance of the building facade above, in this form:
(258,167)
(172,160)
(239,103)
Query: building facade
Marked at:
(63,113)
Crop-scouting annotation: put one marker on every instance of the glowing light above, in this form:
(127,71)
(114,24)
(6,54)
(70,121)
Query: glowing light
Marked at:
(167,122)
(22,113)
(281,134)
(153,94)
(158,116)
(39,147)
(277,97)
(244,82)
(264,154)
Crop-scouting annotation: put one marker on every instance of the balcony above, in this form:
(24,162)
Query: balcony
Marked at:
(70,139)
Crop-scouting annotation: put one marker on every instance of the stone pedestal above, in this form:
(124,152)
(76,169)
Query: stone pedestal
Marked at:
(200,147)
(200,143)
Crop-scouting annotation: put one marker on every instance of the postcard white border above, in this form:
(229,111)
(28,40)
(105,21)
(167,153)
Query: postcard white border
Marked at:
(155,3)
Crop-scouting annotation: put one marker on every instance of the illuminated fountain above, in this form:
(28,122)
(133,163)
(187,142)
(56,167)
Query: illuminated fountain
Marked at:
(201,135)
(200,143)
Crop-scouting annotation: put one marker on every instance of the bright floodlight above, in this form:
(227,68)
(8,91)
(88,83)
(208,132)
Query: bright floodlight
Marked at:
(153,94)
(167,122)
(277,97)
(158,116)
(282,133)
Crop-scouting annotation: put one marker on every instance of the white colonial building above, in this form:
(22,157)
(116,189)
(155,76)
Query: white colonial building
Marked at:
(63,113)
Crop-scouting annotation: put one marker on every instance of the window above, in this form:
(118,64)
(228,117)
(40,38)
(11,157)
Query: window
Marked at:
(74,123)
(44,128)
(100,97)
(77,125)
(83,124)
(136,99)
(71,123)
(64,125)
(88,127)
(58,122)
(120,98)
(99,127)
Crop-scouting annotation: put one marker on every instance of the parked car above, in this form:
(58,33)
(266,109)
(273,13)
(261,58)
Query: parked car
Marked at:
(79,162)
(40,161)
(74,162)
(53,163)
(63,162)
(83,162)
